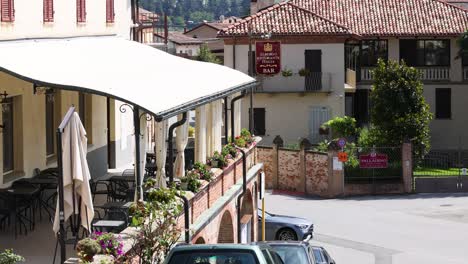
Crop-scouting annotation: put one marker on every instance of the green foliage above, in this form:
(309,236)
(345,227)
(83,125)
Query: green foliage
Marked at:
(342,126)
(156,220)
(200,16)
(9,257)
(294,146)
(287,72)
(399,110)
(304,72)
(87,248)
(206,55)
(217,160)
(462,42)
(192,181)
(244,140)
(240,142)
(229,151)
(203,171)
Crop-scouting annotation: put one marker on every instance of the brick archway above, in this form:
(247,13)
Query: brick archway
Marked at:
(200,240)
(226,228)
(247,212)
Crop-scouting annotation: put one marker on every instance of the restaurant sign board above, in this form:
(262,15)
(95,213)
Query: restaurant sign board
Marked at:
(268,57)
(373,161)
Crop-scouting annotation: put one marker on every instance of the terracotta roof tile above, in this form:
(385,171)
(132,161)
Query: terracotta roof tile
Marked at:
(392,17)
(180,38)
(371,18)
(285,19)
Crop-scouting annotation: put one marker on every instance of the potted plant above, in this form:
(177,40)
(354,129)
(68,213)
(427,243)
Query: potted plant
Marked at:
(217,160)
(304,72)
(203,171)
(229,151)
(190,182)
(9,257)
(286,72)
(110,243)
(87,248)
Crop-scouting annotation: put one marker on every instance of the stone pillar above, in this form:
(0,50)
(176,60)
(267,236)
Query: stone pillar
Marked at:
(237,117)
(301,184)
(407,163)
(217,124)
(200,134)
(209,130)
(277,143)
(335,176)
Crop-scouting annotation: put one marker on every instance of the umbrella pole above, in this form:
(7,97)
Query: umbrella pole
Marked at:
(61,233)
(136,124)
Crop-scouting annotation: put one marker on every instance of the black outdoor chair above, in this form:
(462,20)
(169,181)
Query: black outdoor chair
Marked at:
(105,190)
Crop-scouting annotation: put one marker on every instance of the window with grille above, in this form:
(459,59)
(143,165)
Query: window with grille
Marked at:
(7,10)
(80,11)
(110,11)
(48,10)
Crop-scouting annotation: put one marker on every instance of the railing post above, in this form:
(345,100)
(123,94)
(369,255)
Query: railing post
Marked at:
(277,143)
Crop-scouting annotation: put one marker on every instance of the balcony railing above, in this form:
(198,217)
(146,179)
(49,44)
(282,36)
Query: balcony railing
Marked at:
(465,73)
(313,82)
(427,74)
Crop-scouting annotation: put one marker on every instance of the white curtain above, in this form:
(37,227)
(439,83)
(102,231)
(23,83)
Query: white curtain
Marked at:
(200,134)
(161,151)
(143,141)
(75,170)
(181,144)
(237,117)
(216,125)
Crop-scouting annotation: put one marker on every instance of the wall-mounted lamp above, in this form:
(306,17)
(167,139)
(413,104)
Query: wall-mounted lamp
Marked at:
(47,91)
(5,103)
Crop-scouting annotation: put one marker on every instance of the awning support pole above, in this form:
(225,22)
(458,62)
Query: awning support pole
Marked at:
(170,145)
(239,197)
(136,124)
(226,121)
(233,112)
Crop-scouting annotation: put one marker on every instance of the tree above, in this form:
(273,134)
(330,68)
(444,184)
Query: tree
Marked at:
(398,109)
(206,55)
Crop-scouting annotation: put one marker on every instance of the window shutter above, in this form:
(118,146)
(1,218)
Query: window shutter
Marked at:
(48,10)
(81,11)
(7,10)
(110,11)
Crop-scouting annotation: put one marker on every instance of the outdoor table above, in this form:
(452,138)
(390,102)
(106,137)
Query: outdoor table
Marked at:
(44,183)
(109,225)
(17,195)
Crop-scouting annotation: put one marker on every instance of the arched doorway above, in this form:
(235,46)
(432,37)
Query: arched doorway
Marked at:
(226,229)
(247,212)
(200,240)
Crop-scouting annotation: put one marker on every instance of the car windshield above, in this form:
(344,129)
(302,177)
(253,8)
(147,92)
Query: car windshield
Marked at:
(213,257)
(291,254)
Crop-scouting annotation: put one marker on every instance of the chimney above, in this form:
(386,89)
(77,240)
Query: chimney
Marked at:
(257,5)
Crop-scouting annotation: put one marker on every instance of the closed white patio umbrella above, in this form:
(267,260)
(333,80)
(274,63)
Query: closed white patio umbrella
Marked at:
(76,190)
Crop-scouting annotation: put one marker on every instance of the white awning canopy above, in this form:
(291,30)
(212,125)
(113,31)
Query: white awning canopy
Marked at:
(161,84)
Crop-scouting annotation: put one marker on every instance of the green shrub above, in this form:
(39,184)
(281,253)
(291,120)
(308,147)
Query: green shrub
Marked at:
(229,151)
(191,179)
(9,257)
(203,171)
(342,126)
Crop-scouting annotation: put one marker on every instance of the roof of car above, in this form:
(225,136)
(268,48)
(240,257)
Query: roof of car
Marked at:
(282,242)
(214,246)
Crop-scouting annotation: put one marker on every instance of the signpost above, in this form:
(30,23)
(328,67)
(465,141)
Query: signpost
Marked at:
(268,57)
(343,156)
(341,142)
(373,161)
(262,197)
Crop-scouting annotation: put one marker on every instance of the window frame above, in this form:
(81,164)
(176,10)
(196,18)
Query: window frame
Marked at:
(377,57)
(50,125)
(417,64)
(8,131)
(439,115)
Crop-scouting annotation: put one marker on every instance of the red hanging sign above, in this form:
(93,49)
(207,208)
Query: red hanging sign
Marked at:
(268,57)
(373,161)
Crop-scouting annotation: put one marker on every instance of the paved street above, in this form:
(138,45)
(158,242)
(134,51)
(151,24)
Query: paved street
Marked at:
(411,229)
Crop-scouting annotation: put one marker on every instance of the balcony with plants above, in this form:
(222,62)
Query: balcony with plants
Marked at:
(295,81)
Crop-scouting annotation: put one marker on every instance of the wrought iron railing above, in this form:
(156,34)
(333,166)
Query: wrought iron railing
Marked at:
(312,82)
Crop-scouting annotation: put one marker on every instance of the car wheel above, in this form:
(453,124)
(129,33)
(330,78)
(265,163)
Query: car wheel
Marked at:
(286,234)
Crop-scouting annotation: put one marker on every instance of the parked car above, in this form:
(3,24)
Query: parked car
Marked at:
(321,255)
(293,252)
(281,227)
(223,254)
